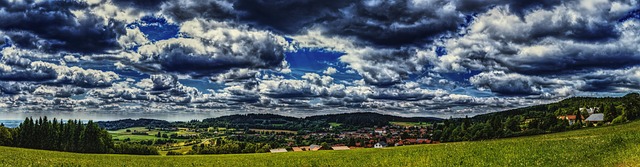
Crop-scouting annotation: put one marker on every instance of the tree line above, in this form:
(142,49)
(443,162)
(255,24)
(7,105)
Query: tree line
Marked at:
(72,136)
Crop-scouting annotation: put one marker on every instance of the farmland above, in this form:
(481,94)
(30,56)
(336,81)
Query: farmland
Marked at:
(617,145)
(128,133)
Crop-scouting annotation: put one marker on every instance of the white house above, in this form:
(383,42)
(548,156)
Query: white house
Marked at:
(589,110)
(380,145)
(380,131)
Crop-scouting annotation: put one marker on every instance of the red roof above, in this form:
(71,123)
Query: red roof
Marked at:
(570,117)
(412,141)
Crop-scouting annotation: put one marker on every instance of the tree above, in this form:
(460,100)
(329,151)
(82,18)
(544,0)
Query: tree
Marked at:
(513,124)
(6,138)
(610,112)
(578,117)
(325,146)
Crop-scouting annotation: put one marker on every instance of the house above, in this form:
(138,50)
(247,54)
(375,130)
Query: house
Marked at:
(380,131)
(314,147)
(411,141)
(423,141)
(340,148)
(589,110)
(278,150)
(296,149)
(595,118)
(571,118)
(380,145)
(399,143)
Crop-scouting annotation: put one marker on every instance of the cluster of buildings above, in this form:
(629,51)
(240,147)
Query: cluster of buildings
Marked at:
(308,148)
(378,137)
(593,117)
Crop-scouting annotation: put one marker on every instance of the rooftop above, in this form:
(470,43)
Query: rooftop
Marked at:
(595,117)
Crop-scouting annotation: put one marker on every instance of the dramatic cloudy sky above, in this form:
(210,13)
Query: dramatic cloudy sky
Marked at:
(405,57)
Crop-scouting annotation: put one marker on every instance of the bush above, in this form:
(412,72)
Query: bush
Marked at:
(137,149)
(174,153)
(619,119)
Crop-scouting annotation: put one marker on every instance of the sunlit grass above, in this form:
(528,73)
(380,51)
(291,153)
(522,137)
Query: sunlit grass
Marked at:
(603,146)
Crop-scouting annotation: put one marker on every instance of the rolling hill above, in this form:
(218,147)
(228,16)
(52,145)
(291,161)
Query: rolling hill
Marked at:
(617,145)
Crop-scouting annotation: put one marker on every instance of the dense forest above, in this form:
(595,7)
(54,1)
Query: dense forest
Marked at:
(72,136)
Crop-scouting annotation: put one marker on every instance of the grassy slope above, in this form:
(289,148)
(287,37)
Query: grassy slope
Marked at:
(605,146)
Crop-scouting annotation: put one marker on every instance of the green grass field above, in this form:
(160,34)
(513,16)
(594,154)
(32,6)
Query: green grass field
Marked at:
(122,134)
(410,123)
(602,146)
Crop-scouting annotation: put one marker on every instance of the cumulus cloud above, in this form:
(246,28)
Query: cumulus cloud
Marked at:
(378,66)
(330,71)
(51,26)
(518,84)
(566,38)
(237,74)
(18,67)
(212,47)
(300,88)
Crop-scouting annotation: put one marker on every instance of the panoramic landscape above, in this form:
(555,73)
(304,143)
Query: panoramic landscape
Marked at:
(319,83)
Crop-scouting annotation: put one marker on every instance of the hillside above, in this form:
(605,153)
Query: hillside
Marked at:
(617,145)
(628,103)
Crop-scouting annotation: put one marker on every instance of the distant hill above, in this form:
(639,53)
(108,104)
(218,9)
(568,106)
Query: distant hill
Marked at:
(369,119)
(128,123)
(268,120)
(630,103)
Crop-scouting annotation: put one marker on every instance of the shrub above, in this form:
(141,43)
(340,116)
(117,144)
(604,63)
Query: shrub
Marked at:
(137,149)
(174,153)
(619,119)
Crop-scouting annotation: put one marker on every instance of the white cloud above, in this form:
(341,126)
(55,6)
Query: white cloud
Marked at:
(330,71)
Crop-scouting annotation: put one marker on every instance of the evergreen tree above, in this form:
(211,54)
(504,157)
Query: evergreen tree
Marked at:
(6,138)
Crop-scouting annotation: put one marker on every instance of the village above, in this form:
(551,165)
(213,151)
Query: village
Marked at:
(377,137)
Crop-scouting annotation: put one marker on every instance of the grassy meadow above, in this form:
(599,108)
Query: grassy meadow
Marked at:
(601,146)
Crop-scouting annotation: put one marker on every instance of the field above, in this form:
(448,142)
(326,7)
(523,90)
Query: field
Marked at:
(122,134)
(410,123)
(601,146)
(274,130)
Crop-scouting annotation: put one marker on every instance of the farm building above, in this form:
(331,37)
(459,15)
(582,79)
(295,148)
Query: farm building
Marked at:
(595,118)
(314,147)
(571,118)
(278,150)
(340,148)
(296,149)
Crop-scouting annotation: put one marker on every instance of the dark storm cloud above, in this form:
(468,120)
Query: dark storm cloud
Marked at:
(390,23)
(140,4)
(519,7)
(620,80)
(210,9)
(52,27)
(290,16)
